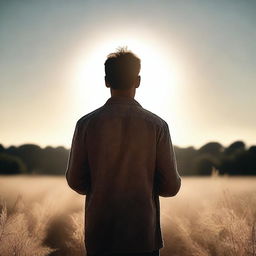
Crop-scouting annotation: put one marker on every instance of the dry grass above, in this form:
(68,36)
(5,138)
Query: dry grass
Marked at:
(210,216)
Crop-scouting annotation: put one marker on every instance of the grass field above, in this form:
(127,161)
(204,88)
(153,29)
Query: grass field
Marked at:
(210,216)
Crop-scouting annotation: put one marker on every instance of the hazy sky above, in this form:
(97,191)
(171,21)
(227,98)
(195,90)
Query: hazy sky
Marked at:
(198,66)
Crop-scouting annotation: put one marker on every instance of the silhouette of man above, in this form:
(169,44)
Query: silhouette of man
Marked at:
(122,159)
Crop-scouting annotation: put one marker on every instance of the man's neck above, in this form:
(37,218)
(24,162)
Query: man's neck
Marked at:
(123,93)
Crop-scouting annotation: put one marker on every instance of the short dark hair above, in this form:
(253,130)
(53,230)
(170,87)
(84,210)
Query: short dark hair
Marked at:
(121,68)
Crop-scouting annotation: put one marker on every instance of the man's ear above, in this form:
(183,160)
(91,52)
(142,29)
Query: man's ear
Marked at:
(137,82)
(106,82)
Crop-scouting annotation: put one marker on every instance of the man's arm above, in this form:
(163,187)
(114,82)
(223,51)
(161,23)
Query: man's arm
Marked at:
(167,178)
(77,172)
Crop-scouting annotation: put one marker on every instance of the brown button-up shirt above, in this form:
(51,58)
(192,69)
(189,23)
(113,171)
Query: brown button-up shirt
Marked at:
(122,159)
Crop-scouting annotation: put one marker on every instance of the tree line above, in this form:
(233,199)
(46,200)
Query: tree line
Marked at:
(234,159)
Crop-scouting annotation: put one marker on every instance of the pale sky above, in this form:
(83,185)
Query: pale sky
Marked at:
(198,66)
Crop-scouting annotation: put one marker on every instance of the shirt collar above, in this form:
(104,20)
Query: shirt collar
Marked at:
(122,100)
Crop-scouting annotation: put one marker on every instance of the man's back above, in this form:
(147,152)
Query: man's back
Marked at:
(122,158)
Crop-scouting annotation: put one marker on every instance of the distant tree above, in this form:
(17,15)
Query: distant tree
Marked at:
(31,155)
(54,160)
(11,150)
(252,150)
(245,162)
(11,164)
(233,160)
(235,147)
(252,160)
(185,157)
(227,164)
(212,148)
(1,148)
(204,163)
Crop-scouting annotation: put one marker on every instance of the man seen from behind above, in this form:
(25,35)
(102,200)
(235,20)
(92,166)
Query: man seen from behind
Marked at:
(122,159)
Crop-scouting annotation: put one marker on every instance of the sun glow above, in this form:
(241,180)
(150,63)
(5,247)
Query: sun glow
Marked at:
(158,78)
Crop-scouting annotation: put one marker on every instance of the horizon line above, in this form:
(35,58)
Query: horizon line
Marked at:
(247,146)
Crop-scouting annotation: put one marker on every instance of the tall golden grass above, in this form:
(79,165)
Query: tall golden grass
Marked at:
(210,216)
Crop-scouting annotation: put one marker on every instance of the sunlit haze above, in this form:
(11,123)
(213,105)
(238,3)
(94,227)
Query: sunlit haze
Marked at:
(197,66)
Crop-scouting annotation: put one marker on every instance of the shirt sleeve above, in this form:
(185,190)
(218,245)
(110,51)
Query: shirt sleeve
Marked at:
(167,178)
(78,172)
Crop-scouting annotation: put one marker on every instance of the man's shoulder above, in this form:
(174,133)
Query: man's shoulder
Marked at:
(152,117)
(85,118)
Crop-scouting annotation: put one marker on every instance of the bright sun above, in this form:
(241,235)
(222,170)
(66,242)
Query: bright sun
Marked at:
(158,79)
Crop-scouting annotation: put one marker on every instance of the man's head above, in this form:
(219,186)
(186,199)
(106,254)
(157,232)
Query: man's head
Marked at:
(122,70)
